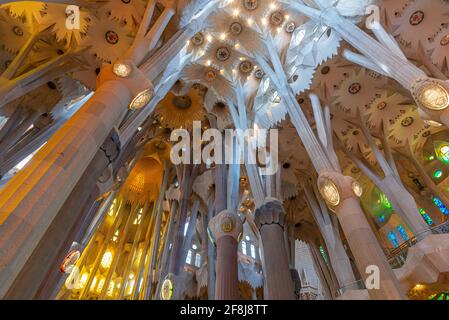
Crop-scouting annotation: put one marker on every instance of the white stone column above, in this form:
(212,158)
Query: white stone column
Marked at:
(31,200)
(341,193)
(270,219)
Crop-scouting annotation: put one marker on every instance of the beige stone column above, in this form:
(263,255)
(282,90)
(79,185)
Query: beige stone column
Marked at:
(270,219)
(40,276)
(226,229)
(341,193)
(31,200)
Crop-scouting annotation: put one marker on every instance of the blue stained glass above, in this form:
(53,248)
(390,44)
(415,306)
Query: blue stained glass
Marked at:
(426,216)
(440,206)
(404,234)
(393,239)
(382,218)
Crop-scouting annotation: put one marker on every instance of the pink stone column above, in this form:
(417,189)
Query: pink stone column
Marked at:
(270,219)
(363,243)
(226,229)
(31,200)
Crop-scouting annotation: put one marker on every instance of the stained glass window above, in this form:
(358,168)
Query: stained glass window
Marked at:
(323,254)
(253,251)
(197,260)
(189,257)
(425,216)
(442,152)
(439,296)
(403,233)
(440,206)
(244,247)
(186,226)
(393,239)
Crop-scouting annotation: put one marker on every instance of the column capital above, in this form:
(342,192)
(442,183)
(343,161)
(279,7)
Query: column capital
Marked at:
(335,188)
(134,80)
(271,212)
(432,97)
(226,223)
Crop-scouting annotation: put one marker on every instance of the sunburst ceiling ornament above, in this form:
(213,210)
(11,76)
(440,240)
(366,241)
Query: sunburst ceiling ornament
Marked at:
(439,49)
(210,77)
(109,39)
(14,32)
(130,11)
(180,111)
(409,127)
(354,140)
(55,14)
(356,92)
(419,21)
(223,54)
(27,10)
(386,109)
(143,182)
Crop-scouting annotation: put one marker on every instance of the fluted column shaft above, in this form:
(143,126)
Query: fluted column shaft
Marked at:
(361,239)
(226,228)
(226,285)
(270,219)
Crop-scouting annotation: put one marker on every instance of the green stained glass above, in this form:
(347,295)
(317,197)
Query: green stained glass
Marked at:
(385,202)
(439,296)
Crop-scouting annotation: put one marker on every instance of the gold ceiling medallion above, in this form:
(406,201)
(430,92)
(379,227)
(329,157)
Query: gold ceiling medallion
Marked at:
(290,27)
(111,37)
(250,4)
(236,28)
(246,67)
(426,134)
(416,18)
(382,105)
(223,54)
(277,18)
(355,88)
(227,225)
(259,74)
(407,122)
(198,39)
